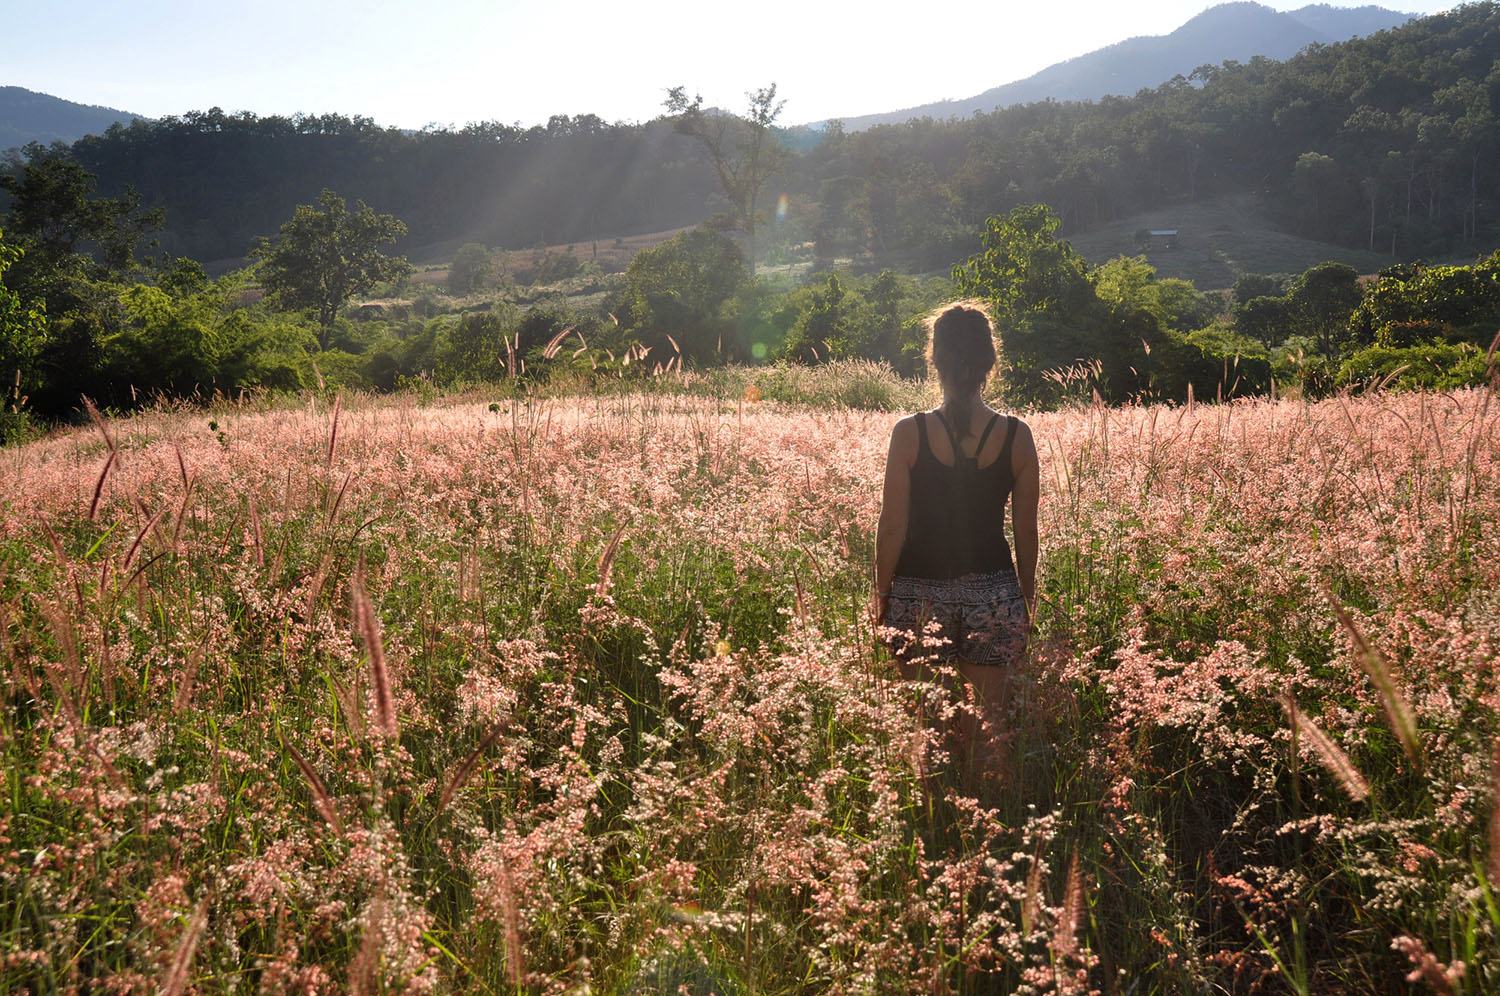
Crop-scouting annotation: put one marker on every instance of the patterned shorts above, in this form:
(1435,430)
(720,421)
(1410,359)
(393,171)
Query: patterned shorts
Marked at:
(977,618)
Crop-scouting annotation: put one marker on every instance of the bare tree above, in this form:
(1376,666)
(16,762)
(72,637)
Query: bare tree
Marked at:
(743,151)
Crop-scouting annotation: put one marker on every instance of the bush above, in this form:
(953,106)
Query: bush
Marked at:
(473,347)
(1437,366)
(1298,365)
(550,267)
(681,289)
(1216,361)
(271,351)
(472,269)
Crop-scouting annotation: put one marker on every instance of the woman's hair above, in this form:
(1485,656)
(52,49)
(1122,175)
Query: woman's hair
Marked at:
(961,349)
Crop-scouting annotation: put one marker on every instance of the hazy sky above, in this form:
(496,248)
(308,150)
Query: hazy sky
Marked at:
(453,61)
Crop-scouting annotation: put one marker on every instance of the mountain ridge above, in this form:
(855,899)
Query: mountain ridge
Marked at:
(32,116)
(1235,31)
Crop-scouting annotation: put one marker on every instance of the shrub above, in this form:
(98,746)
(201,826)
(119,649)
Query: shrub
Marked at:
(472,269)
(1439,366)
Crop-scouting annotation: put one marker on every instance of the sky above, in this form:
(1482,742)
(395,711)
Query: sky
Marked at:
(449,62)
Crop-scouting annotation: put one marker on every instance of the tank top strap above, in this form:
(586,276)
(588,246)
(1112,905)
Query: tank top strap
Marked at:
(922,433)
(1010,438)
(958,454)
(985,436)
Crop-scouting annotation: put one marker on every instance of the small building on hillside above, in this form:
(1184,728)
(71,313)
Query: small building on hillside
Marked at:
(1165,238)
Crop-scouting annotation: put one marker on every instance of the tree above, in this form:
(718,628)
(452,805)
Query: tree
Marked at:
(1474,126)
(1315,177)
(1321,301)
(1025,270)
(64,229)
(680,289)
(1266,319)
(325,254)
(743,151)
(1248,286)
(23,330)
(1038,289)
(471,269)
(826,330)
(1131,281)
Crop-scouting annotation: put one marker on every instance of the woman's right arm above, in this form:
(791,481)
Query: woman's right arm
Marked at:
(895,504)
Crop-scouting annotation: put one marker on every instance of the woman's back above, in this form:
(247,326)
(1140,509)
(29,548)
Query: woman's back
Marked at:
(956,522)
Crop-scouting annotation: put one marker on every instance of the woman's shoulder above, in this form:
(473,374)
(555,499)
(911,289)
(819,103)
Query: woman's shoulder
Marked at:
(1022,426)
(905,434)
(1023,445)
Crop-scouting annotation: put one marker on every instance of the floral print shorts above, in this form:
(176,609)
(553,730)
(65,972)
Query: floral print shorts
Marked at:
(977,618)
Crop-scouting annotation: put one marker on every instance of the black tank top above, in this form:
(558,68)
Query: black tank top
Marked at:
(956,523)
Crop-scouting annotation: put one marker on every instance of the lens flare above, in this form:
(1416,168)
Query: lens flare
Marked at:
(781,207)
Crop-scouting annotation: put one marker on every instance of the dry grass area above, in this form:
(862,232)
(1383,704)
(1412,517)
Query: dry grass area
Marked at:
(581,696)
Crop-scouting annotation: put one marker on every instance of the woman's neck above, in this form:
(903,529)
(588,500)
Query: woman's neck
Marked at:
(967,403)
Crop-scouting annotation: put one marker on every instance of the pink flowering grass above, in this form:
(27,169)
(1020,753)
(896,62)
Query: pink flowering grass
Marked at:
(581,694)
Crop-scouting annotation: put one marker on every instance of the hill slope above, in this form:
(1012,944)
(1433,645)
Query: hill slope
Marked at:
(1238,31)
(28,116)
(1219,240)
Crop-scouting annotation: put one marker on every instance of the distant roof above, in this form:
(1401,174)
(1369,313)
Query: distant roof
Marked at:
(1163,231)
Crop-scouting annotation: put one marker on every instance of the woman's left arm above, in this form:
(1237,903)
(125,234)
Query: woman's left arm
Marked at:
(1024,497)
(895,505)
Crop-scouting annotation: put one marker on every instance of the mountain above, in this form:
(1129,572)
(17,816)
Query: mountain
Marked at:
(1237,31)
(28,116)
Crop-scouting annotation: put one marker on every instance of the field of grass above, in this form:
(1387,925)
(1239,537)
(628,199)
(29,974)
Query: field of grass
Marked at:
(581,695)
(1220,239)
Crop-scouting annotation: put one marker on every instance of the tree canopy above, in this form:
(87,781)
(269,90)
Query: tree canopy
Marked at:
(326,253)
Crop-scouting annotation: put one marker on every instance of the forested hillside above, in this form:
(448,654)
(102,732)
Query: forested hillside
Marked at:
(225,179)
(1374,143)
(1378,143)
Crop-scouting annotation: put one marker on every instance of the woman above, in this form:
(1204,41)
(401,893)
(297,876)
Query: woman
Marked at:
(940,552)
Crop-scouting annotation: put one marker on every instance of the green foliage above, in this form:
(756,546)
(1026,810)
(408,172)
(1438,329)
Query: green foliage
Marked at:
(23,330)
(1047,313)
(678,292)
(1303,368)
(1060,324)
(1131,281)
(840,316)
(1406,303)
(1024,271)
(824,330)
(23,325)
(53,210)
(163,343)
(1320,303)
(271,352)
(1395,134)
(69,236)
(1438,366)
(1315,308)
(1249,286)
(744,151)
(325,254)
(474,347)
(1266,319)
(472,269)
(1217,361)
(552,266)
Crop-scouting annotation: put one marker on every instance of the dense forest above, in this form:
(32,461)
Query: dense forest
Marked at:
(1381,142)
